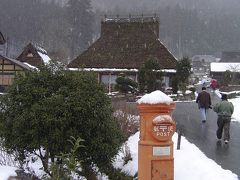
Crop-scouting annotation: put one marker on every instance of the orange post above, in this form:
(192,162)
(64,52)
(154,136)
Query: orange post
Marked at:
(155,147)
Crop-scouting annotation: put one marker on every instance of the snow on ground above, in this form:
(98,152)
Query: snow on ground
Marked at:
(235,101)
(189,162)
(236,104)
(198,166)
(6,172)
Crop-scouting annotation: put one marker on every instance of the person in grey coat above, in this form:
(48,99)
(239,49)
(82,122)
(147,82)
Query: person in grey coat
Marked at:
(224,110)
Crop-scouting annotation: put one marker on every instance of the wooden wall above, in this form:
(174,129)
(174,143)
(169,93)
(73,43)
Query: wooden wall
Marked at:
(8,70)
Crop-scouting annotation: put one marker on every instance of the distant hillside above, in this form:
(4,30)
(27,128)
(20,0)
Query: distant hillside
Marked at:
(232,6)
(187,27)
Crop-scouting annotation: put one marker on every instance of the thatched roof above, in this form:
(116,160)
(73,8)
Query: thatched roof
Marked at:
(125,44)
(33,55)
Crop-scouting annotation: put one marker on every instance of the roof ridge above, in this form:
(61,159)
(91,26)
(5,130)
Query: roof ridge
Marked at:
(40,49)
(130,18)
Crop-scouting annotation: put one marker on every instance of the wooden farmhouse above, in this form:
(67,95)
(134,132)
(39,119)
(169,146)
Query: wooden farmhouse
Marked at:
(31,57)
(9,68)
(34,55)
(123,47)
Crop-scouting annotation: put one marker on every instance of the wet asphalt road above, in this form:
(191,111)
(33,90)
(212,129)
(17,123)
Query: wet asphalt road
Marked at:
(203,136)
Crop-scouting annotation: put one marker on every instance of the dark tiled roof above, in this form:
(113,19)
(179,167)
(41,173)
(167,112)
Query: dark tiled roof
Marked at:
(125,45)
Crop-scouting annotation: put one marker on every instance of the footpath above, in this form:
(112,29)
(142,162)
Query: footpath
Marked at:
(203,136)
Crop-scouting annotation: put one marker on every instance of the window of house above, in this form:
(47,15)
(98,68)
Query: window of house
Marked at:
(166,81)
(107,78)
(29,54)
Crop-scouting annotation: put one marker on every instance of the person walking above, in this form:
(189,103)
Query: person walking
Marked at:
(224,110)
(213,84)
(204,103)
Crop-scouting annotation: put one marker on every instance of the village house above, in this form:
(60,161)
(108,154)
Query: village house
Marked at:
(123,47)
(230,61)
(201,65)
(9,69)
(219,69)
(33,55)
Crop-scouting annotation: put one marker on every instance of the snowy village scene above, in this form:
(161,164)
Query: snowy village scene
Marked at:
(119,90)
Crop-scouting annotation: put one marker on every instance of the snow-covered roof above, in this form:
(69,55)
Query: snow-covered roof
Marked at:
(40,49)
(155,97)
(132,18)
(43,54)
(104,69)
(34,55)
(116,70)
(16,62)
(44,57)
(30,66)
(222,67)
(169,70)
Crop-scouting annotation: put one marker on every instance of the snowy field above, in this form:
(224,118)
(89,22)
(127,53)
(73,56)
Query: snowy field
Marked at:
(198,166)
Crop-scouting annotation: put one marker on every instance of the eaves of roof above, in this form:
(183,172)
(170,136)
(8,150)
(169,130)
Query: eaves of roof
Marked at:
(16,62)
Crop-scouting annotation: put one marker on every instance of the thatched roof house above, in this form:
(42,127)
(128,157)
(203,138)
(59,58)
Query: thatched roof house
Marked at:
(34,55)
(124,45)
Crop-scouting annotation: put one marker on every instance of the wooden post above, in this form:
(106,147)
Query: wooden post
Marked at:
(179,139)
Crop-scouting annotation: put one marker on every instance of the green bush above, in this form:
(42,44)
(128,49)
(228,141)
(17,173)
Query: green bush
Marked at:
(192,88)
(43,108)
(125,85)
(150,77)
